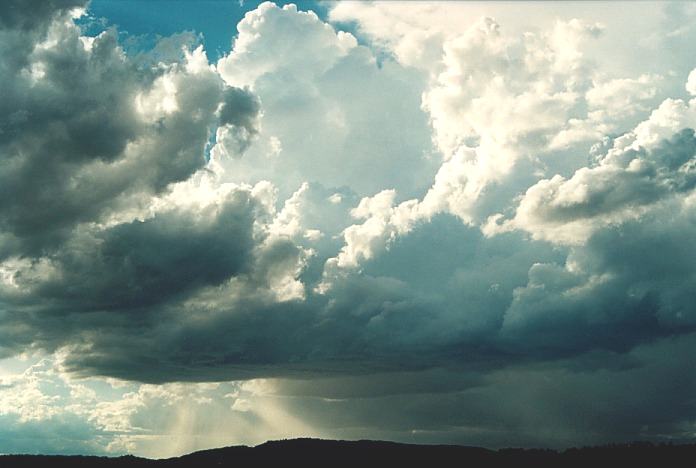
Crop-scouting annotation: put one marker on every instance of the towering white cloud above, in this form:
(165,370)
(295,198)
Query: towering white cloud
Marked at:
(332,113)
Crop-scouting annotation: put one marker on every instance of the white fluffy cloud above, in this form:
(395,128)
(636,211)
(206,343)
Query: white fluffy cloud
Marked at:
(316,86)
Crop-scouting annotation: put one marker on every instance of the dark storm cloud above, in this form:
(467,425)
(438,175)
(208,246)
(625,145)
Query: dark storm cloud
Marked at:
(22,23)
(82,138)
(54,128)
(130,303)
(143,263)
(72,139)
(33,14)
(116,286)
(474,324)
(618,397)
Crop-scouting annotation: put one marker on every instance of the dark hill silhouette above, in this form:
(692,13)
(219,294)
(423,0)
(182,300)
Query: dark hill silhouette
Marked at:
(357,454)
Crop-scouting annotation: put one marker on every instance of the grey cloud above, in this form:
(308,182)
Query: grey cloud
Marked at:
(142,263)
(240,108)
(33,14)
(160,310)
(81,142)
(624,183)
(22,24)
(390,317)
(553,404)
(73,143)
(61,129)
(104,286)
(627,282)
(239,116)
(630,283)
(656,178)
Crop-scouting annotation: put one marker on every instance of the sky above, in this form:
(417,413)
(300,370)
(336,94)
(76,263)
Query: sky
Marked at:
(429,222)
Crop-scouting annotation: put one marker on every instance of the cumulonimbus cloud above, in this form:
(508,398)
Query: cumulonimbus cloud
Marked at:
(489,203)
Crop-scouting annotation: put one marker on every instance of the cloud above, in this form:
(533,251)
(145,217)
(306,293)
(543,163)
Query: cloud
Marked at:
(350,224)
(315,84)
(641,169)
(591,399)
(501,106)
(18,17)
(86,132)
(211,277)
(238,123)
(499,409)
(691,83)
(94,143)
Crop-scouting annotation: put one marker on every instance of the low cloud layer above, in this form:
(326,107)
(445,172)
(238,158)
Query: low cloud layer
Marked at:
(455,233)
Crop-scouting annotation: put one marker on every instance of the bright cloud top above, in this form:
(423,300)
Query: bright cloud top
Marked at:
(430,222)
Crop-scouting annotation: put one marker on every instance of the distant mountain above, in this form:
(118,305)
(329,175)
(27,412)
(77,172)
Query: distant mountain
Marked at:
(366,453)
